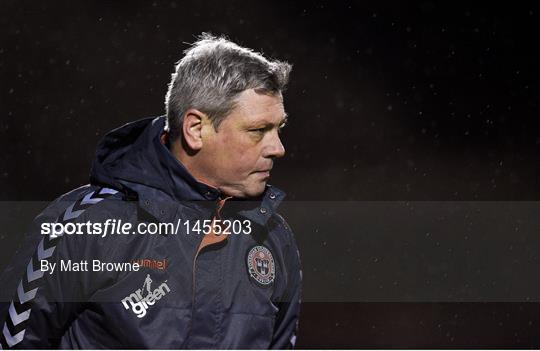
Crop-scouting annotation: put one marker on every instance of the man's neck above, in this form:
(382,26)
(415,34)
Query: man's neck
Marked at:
(186,160)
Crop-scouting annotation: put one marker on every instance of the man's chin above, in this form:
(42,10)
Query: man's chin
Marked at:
(250,192)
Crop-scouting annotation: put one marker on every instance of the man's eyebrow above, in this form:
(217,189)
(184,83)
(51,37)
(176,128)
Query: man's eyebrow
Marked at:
(281,123)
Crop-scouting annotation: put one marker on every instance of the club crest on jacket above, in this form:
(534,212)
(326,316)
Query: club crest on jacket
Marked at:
(261,265)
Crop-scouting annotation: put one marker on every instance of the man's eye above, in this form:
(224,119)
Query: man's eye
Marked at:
(258,130)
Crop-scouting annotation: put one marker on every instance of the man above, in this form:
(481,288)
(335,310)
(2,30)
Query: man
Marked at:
(229,277)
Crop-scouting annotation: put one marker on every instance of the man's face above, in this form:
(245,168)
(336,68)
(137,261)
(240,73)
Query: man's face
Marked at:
(238,157)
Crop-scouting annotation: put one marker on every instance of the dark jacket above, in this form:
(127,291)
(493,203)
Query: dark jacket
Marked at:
(228,291)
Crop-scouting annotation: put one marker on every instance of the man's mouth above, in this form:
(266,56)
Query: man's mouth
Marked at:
(263,173)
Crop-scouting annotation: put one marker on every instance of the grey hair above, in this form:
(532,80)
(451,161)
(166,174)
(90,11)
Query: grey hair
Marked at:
(212,73)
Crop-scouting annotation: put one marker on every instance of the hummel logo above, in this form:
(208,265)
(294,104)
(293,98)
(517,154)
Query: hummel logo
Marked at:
(142,299)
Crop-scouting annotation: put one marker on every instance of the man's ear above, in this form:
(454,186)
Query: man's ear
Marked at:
(192,128)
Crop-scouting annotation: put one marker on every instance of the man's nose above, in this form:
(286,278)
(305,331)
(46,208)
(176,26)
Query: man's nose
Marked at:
(275,148)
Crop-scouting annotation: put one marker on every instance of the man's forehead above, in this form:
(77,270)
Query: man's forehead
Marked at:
(252,106)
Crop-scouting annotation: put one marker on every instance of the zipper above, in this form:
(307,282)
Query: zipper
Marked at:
(208,240)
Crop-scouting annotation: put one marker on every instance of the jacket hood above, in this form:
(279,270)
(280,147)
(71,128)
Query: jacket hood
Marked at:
(132,159)
(133,153)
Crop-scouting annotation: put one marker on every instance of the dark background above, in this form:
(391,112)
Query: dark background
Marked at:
(393,101)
